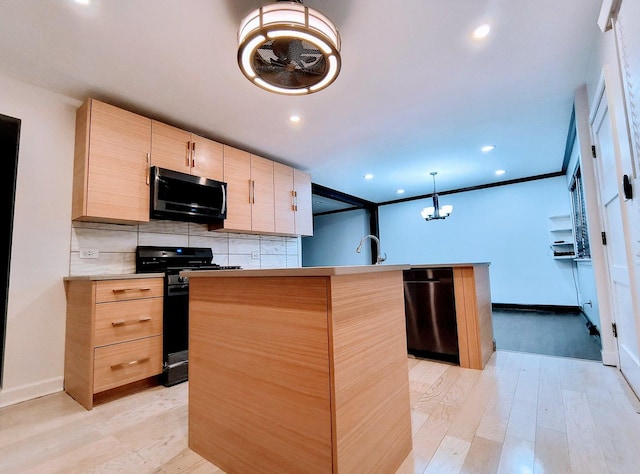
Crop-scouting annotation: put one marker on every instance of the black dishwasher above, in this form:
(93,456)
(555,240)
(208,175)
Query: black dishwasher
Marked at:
(429,303)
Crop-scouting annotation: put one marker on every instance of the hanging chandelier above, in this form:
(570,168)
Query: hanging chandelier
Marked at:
(288,48)
(435,211)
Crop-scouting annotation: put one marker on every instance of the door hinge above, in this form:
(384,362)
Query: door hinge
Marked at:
(614,329)
(604,238)
(593,151)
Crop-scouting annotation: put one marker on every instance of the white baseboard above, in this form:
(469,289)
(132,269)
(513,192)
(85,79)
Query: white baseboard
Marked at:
(610,358)
(11,396)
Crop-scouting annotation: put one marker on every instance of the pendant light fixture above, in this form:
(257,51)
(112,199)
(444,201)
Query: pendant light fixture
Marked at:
(435,211)
(288,48)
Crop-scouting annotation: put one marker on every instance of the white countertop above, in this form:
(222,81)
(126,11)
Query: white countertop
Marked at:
(304,271)
(268,272)
(123,276)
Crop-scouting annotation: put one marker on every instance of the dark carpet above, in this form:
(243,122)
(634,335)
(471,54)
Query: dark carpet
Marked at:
(541,332)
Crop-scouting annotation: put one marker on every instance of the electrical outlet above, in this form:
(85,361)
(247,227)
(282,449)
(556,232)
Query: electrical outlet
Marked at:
(89,253)
(255,255)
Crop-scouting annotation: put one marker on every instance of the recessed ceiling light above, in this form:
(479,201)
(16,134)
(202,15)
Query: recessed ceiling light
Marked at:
(487,148)
(400,191)
(500,172)
(294,118)
(481,32)
(83,2)
(368,176)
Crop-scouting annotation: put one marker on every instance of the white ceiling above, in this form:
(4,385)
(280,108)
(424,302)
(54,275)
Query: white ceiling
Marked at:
(415,93)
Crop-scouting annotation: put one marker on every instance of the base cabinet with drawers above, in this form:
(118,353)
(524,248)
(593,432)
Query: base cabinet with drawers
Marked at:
(113,335)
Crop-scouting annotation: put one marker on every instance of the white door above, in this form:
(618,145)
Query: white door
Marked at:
(619,279)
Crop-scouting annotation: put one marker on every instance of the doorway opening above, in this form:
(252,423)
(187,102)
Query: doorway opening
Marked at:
(547,331)
(9,143)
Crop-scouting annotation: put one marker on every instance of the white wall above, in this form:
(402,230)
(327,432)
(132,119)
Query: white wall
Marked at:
(335,239)
(46,245)
(34,350)
(507,226)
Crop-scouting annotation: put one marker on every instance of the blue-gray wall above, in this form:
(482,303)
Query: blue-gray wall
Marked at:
(335,239)
(507,226)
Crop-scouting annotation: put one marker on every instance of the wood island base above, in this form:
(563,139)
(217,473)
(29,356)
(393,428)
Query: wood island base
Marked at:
(301,370)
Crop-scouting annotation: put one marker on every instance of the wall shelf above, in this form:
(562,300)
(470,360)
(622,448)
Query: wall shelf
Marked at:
(562,240)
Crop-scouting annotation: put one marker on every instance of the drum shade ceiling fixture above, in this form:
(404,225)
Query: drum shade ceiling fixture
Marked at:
(435,211)
(289,48)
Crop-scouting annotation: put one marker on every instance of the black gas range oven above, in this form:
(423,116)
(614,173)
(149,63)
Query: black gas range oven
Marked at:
(171,261)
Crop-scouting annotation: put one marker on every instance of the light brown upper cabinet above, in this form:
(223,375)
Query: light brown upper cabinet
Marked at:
(111,165)
(250,193)
(179,150)
(262,195)
(293,214)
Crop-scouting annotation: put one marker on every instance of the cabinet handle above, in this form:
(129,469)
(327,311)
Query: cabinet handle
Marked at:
(122,290)
(188,154)
(122,322)
(293,200)
(193,154)
(252,190)
(126,364)
(148,168)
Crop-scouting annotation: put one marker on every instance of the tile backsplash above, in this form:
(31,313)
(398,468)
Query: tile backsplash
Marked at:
(115,246)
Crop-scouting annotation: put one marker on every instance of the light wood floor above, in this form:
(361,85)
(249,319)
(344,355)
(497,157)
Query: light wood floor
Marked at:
(523,413)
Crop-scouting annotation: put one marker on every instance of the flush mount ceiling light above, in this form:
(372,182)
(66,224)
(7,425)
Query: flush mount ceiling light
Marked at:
(435,211)
(288,48)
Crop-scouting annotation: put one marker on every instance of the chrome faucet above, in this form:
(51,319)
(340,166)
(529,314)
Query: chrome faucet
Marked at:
(379,258)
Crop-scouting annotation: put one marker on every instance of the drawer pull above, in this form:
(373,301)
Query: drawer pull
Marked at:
(126,364)
(122,322)
(122,290)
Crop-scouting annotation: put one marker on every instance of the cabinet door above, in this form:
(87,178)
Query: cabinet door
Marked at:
(284,199)
(170,148)
(117,166)
(303,203)
(237,175)
(263,211)
(207,158)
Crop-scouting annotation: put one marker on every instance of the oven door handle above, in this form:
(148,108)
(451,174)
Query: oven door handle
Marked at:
(178,290)
(176,364)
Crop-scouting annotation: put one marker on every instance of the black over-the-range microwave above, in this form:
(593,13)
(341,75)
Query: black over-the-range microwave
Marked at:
(184,197)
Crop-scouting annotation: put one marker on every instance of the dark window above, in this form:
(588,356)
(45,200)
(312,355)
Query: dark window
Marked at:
(580,226)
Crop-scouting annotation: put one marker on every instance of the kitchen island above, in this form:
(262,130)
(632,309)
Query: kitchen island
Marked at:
(299,370)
